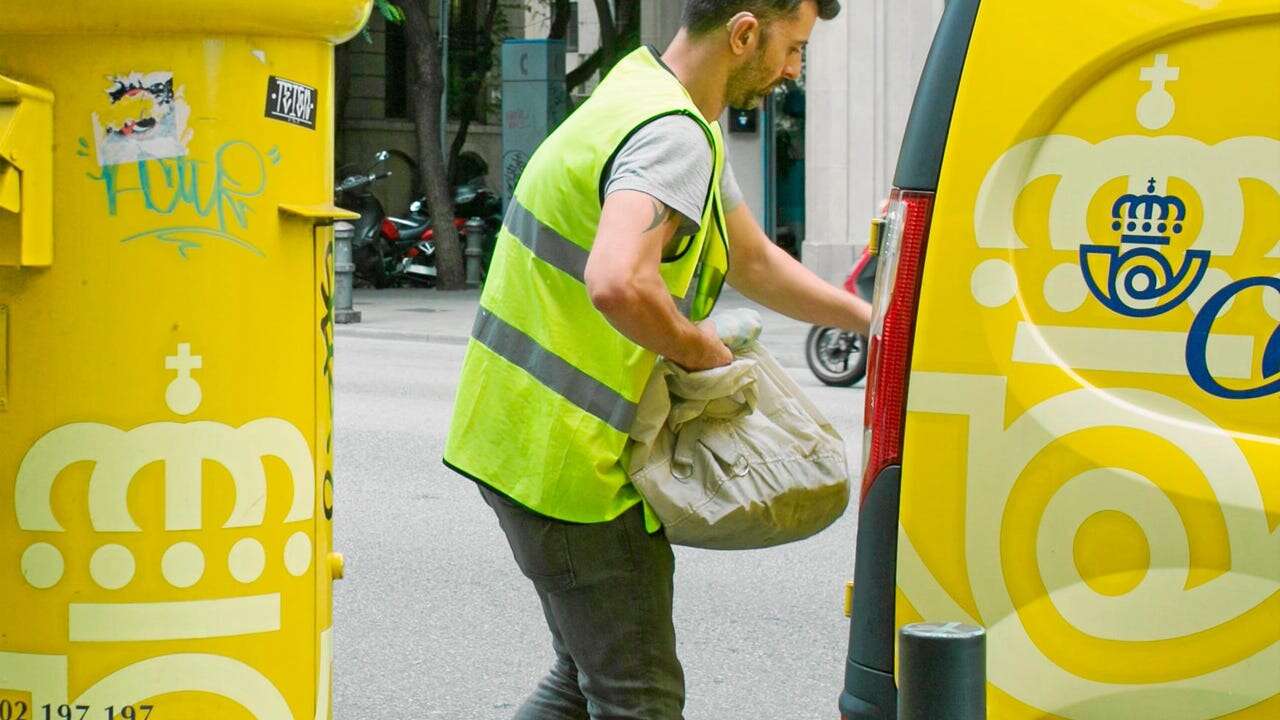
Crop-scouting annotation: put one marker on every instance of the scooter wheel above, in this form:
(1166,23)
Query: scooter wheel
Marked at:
(836,357)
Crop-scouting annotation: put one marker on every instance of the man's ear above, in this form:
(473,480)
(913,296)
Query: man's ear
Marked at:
(744,32)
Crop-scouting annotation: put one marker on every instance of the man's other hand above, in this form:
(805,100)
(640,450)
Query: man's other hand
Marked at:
(714,353)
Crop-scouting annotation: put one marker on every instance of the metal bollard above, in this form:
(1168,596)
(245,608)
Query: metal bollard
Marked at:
(474,231)
(942,672)
(344,274)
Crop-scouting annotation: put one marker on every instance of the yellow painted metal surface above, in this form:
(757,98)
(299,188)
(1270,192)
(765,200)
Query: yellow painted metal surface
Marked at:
(166,448)
(26,174)
(1092,459)
(332,20)
(4,357)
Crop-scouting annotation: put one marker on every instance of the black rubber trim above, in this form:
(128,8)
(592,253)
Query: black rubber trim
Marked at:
(608,165)
(869,690)
(923,143)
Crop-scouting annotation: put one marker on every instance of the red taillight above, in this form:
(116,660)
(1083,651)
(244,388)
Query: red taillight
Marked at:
(413,252)
(389,230)
(893,330)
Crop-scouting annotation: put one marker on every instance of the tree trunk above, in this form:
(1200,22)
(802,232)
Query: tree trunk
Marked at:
(426,91)
(585,70)
(559,20)
(626,23)
(619,35)
(608,35)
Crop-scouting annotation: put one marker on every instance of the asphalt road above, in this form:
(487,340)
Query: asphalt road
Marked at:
(434,619)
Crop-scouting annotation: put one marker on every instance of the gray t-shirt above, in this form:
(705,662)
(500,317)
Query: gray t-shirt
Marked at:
(670,160)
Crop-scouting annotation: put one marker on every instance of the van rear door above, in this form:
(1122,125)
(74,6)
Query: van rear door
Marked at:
(1089,462)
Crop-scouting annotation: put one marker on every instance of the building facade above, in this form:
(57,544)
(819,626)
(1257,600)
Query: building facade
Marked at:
(861,72)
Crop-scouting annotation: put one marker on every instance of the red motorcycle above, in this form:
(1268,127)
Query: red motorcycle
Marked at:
(410,240)
(837,357)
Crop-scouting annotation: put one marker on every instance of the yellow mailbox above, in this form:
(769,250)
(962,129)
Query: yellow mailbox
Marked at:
(166,353)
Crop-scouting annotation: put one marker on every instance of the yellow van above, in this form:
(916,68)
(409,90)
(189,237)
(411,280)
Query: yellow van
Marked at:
(1073,403)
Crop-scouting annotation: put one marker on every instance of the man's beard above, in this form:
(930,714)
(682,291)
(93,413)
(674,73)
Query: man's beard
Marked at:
(750,84)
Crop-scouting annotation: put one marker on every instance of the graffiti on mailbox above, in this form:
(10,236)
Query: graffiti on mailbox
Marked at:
(216,192)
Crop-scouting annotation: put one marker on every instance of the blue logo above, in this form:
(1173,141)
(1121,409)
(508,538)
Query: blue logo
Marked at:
(1198,345)
(1140,280)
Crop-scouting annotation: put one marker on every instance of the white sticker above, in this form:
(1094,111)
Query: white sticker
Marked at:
(144,118)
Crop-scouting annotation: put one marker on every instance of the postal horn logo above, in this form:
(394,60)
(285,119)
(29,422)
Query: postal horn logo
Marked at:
(1139,280)
(1182,208)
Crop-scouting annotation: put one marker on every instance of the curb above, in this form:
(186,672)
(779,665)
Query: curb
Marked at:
(402,335)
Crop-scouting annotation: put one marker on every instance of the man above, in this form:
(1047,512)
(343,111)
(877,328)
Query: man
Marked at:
(622,230)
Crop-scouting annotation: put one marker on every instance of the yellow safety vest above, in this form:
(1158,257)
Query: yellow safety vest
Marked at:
(549,388)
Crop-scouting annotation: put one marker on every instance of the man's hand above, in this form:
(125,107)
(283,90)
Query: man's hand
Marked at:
(717,353)
(625,285)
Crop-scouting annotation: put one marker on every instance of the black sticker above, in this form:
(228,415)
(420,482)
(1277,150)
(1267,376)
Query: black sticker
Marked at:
(291,102)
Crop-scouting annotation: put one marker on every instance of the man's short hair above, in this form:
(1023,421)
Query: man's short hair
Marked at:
(703,16)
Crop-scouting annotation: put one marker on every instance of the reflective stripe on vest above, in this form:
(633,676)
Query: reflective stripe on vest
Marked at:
(554,371)
(562,253)
(546,244)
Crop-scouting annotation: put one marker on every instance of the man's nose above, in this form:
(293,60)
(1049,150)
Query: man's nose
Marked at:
(791,70)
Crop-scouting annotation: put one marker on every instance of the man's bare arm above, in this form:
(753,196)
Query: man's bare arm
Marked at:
(765,273)
(625,285)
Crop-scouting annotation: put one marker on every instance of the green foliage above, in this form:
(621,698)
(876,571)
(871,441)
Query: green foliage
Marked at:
(473,65)
(389,11)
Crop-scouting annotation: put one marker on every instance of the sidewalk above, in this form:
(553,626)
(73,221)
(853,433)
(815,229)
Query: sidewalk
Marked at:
(421,315)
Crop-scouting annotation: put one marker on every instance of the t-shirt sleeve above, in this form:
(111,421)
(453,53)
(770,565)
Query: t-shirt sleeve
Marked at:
(670,160)
(730,191)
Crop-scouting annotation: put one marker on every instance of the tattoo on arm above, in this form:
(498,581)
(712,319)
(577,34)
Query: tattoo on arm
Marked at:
(661,213)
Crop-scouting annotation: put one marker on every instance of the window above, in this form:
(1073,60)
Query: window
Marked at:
(396,77)
(571,33)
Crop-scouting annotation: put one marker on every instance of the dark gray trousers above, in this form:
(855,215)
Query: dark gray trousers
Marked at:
(606,592)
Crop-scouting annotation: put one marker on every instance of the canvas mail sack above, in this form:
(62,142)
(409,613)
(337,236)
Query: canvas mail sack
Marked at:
(736,457)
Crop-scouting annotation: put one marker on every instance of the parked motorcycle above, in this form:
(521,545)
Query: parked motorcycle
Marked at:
(355,193)
(414,234)
(412,248)
(838,357)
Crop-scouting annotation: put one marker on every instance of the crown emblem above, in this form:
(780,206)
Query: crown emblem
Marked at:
(1138,280)
(118,456)
(188,566)
(1148,219)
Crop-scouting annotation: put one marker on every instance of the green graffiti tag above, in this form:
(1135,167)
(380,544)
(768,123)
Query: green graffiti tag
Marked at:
(218,192)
